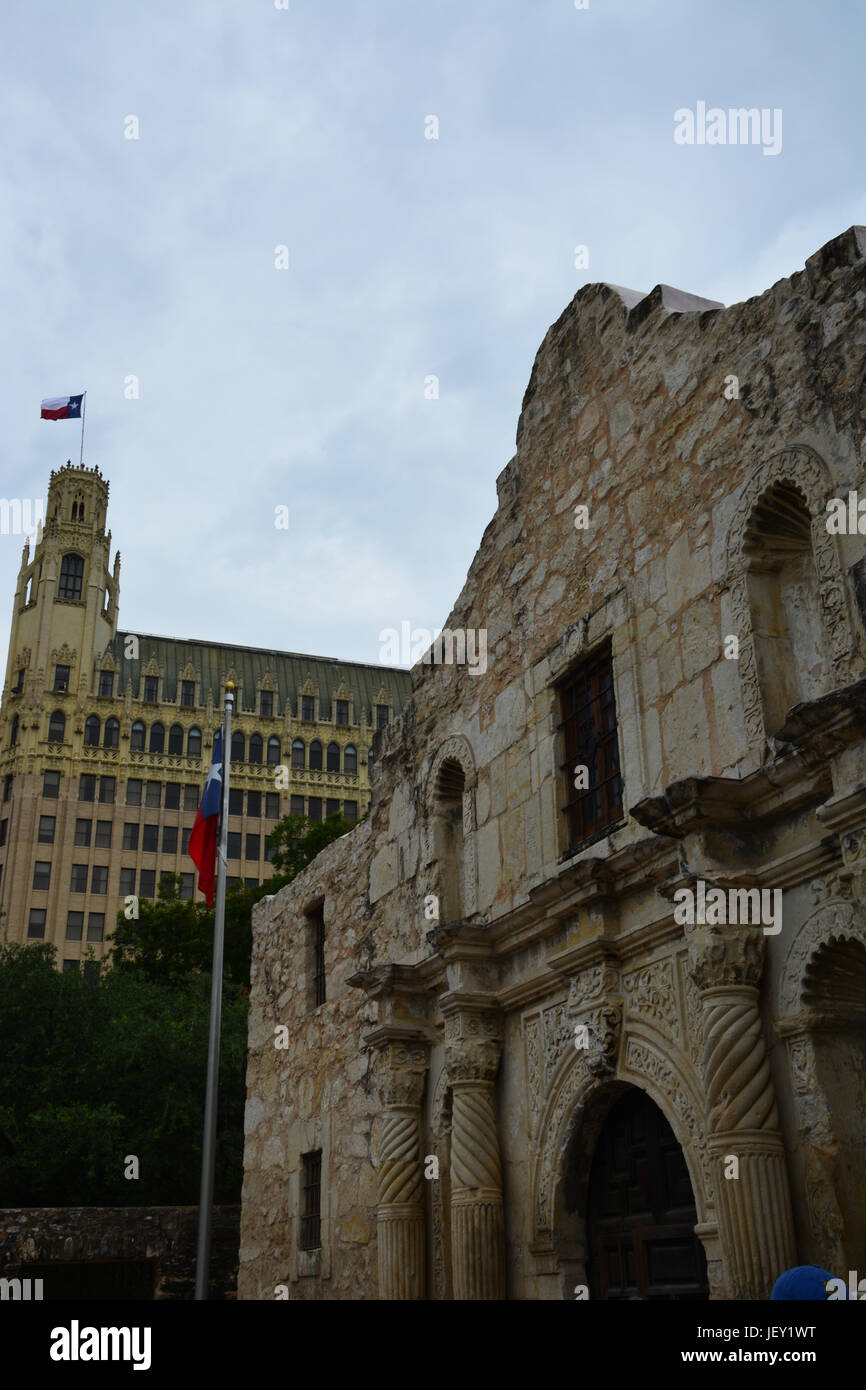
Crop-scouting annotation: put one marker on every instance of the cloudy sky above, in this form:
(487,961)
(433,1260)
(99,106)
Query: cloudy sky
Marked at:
(408,257)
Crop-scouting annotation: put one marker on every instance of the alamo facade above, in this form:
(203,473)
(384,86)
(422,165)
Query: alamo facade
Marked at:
(491,1054)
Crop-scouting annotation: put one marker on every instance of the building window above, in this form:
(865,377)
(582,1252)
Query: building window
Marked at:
(266,708)
(46,839)
(47,826)
(74,925)
(299,754)
(149,838)
(252,848)
(350,810)
(236,801)
(184,839)
(71,967)
(19,682)
(187,886)
(50,785)
(193,743)
(268,852)
(381,716)
(127,883)
(103,834)
(13,732)
(272,805)
(151,690)
(111,738)
(95,926)
(239,747)
(187,694)
(234,845)
(61,677)
(36,924)
(57,727)
(83,831)
(315,808)
(370,760)
(256,748)
(251,883)
(254,804)
(333,762)
(78,880)
(350,761)
(147,884)
(87,787)
(156,743)
(99,879)
(133,791)
(588,728)
(172,796)
(296,805)
(190,797)
(342,711)
(308,708)
(332,807)
(311,1200)
(106,790)
(316,928)
(130,836)
(71,576)
(175,740)
(315,756)
(169,839)
(153,794)
(273,751)
(42,875)
(91,731)
(136,737)
(106,683)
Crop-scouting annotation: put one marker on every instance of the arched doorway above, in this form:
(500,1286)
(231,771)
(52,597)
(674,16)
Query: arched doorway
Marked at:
(641,1215)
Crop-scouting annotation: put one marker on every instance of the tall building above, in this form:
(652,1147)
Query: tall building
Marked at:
(105,739)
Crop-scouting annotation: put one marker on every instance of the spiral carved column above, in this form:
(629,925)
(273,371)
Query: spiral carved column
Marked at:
(755,1221)
(400,1210)
(477,1220)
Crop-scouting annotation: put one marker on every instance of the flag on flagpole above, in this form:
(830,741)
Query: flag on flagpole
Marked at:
(203,836)
(62,407)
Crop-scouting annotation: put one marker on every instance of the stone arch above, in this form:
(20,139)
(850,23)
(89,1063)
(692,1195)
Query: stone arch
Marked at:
(836,920)
(449,828)
(803,470)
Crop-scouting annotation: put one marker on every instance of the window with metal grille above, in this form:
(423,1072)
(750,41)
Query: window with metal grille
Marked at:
(311,1200)
(187,694)
(317,933)
(589,740)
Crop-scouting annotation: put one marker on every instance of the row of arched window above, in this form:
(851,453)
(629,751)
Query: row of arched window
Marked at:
(332,757)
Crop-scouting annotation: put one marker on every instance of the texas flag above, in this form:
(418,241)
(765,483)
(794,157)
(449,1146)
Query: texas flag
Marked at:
(203,836)
(62,407)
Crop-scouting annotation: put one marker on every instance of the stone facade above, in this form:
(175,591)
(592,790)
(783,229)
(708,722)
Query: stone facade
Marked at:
(496,985)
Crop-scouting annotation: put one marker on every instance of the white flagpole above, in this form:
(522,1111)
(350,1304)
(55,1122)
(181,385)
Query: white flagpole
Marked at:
(83,412)
(208,1148)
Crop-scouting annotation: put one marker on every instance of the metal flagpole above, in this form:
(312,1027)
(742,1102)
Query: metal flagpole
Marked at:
(208,1148)
(83,412)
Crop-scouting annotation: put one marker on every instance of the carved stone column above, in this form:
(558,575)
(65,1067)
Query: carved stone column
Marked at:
(755,1221)
(472,1052)
(401,1071)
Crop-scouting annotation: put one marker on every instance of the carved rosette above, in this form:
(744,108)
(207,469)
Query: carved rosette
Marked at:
(472,1053)
(400,1075)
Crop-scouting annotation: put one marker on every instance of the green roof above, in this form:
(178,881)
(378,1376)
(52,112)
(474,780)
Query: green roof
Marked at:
(290,670)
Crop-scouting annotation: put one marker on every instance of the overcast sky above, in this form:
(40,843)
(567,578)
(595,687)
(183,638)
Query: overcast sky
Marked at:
(408,257)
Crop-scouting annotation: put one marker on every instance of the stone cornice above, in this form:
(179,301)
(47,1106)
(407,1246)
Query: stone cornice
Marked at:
(775,790)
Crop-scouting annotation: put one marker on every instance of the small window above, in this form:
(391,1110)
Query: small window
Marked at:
(57,727)
(184,839)
(251,883)
(370,760)
(87,787)
(239,747)
(589,739)
(19,682)
(187,694)
(311,1200)
(36,924)
(136,737)
(190,797)
(111,738)
(13,732)
(169,839)
(175,740)
(103,834)
(74,925)
(266,707)
(106,683)
(71,576)
(268,852)
(130,836)
(78,879)
(381,716)
(95,926)
(45,839)
(193,743)
(151,690)
(47,826)
(350,810)
(50,785)
(254,804)
(273,751)
(296,805)
(107,787)
(299,759)
(342,711)
(350,761)
(133,791)
(253,850)
(83,832)
(147,883)
(308,708)
(256,748)
(42,875)
(332,807)
(333,763)
(61,677)
(315,811)
(99,879)
(316,927)
(127,883)
(172,796)
(272,805)
(236,801)
(315,756)
(156,743)
(149,838)
(234,844)
(91,731)
(187,886)
(70,966)
(153,794)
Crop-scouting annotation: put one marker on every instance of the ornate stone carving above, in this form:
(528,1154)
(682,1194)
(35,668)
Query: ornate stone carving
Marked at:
(473,1060)
(592,983)
(834,920)
(400,1076)
(400,1176)
(475,1159)
(740,1091)
(725,957)
(694,1014)
(533,1069)
(651,991)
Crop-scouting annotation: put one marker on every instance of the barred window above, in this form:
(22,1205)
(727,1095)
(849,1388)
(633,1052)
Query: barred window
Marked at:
(311,1200)
(317,935)
(589,740)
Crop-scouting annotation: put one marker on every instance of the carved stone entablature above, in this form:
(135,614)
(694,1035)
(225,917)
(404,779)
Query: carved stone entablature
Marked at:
(401,1069)
(732,956)
(834,920)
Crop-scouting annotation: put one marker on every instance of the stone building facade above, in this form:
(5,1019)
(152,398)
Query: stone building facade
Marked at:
(106,737)
(580,1007)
